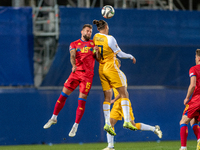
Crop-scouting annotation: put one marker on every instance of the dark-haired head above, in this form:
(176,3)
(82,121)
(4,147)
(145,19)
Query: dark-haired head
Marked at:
(87,25)
(100,24)
(86,32)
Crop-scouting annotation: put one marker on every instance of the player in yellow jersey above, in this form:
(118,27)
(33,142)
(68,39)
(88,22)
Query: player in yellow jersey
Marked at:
(117,114)
(110,75)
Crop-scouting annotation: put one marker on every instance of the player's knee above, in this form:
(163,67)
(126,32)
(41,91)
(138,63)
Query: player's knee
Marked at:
(112,122)
(81,95)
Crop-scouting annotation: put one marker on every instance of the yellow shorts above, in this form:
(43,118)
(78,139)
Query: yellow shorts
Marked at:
(110,76)
(117,112)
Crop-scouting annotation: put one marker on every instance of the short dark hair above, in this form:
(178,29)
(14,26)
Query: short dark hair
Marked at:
(100,24)
(87,25)
(198,52)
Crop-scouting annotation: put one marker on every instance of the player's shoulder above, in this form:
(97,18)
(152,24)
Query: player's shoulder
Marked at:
(75,42)
(195,67)
(91,42)
(105,35)
(111,38)
(194,70)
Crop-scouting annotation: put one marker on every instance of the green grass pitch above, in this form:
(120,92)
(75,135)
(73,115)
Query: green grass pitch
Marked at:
(163,145)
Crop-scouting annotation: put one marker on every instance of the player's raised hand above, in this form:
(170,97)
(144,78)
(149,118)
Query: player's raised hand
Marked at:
(97,52)
(134,60)
(96,48)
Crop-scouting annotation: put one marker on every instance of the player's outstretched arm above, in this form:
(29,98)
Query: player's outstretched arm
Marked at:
(123,55)
(134,60)
(73,59)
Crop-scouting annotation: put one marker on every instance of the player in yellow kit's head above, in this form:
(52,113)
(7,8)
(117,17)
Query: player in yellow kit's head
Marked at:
(101,25)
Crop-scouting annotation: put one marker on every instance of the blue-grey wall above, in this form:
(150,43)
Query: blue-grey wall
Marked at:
(16,46)
(25,111)
(163,42)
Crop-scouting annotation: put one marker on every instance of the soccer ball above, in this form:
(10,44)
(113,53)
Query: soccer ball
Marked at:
(107,11)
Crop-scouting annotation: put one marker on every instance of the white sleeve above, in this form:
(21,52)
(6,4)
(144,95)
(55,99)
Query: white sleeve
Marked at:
(124,55)
(112,43)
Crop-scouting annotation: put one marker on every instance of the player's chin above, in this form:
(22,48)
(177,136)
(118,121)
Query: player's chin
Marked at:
(87,38)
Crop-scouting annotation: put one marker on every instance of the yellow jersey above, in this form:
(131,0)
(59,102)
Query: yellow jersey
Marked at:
(108,47)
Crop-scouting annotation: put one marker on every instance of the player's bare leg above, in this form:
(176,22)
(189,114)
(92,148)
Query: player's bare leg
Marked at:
(79,113)
(106,110)
(58,106)
(125,107)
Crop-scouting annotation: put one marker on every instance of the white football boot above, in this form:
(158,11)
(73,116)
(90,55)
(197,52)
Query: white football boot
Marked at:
(72,133)
(158,132)
(49,123)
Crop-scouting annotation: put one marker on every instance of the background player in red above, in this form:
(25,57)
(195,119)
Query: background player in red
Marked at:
(192,110)
(82,57)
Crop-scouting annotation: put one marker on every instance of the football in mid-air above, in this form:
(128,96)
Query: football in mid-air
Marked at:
(107,11)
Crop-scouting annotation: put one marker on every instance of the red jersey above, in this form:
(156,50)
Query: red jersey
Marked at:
(195,71)
(84,55)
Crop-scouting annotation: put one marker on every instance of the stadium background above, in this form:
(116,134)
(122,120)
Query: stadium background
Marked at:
(163,42)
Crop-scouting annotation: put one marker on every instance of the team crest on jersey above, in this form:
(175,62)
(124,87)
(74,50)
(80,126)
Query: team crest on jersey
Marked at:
(116,46)
(79,43)
(91,43)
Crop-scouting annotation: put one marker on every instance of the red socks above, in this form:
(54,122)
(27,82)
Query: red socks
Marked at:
(80,109)
(60,103)
(195,128)
(183,134)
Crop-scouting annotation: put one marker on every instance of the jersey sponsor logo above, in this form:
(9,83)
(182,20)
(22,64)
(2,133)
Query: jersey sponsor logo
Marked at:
(79,43)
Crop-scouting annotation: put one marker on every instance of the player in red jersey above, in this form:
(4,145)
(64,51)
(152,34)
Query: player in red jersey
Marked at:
(192,110)
(82,58)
